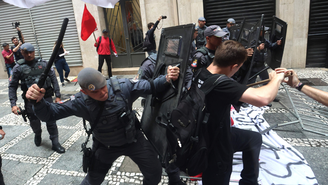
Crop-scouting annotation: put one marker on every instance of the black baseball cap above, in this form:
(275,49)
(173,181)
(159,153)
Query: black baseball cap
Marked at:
(105,31)
(214,30)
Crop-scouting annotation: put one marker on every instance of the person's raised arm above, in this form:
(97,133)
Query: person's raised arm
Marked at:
(264,95)
(316,94)
(17,47)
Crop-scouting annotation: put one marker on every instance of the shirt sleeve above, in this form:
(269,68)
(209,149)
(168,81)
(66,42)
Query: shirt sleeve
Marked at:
(13,85)
(112,46)
(231,91)
(96,41)
(46,111)
(151,31)
(4,54)
(143,87)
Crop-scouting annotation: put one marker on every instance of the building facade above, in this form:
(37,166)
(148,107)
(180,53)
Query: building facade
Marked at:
(127,23)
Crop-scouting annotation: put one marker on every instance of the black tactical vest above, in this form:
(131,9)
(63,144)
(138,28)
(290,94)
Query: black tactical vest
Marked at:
(30,74)
(116,125)
(208,55)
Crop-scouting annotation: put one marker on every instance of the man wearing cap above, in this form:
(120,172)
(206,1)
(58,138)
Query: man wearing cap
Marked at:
(103,45)
(201,38)
(115,131)
(230,22)
(28,71)
(9,58)
(204,55)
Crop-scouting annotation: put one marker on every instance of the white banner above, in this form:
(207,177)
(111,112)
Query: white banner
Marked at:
(32,3)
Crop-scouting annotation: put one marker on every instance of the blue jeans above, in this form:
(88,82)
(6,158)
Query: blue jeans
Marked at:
(61,65)
(10,68)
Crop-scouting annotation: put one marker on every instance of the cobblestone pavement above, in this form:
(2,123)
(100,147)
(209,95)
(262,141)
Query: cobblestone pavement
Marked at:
(24,163)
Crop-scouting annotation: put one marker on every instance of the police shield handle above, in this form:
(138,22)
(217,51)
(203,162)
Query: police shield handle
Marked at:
(44,75)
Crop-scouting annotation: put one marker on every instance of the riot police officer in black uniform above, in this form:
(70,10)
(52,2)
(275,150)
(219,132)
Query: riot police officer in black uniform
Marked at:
(28,71)
(201,38)
(204,56)
(115,133)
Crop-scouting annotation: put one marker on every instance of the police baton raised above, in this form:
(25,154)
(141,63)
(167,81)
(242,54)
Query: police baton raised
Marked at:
(44,75)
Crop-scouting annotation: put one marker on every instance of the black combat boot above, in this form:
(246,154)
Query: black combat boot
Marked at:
(56,146)
(37,139)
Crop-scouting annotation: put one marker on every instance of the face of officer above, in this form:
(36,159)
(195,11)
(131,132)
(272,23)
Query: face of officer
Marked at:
(230,24)
(195,34)
(213,42)
(201,23)
(28,55)
(99,94)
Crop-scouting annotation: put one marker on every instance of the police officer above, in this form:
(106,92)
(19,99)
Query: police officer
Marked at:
(147,68)
(112,135)
(230,22)
(28,71)
(205,55)
(260,57)
(201,38)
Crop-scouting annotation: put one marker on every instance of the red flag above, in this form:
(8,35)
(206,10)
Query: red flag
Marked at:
(88,25)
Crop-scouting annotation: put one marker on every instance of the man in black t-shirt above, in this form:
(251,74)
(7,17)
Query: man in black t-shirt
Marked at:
(229,57)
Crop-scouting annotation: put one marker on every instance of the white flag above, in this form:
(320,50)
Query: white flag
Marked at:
(32,3)
(26,3)
(102,3)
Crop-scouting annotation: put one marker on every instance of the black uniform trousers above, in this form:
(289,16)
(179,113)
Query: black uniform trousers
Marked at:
(263,75)
(101,59)
(141,152)
(249,143)
(35,123)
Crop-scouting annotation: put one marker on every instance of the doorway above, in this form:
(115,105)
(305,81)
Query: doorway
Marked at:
(125,28)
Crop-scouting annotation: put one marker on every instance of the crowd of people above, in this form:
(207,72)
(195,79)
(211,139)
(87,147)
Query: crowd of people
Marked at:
(109,101)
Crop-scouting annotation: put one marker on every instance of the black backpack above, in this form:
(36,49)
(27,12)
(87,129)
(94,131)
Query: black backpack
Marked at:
(187,133)
(146,43)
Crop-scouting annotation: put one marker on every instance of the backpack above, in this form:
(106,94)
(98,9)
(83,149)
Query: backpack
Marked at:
(187,131)
(110,41)
(146,43)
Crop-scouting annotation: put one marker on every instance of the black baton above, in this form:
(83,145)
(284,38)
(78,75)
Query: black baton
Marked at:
(44,75)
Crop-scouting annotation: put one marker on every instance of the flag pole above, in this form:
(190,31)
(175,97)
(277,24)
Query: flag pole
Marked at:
(94,36)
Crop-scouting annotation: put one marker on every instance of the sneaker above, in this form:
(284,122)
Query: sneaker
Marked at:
(63,84)
(67,80)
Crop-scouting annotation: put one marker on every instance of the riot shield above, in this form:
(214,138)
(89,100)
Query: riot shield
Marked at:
(249,37)
(174,48)
(235,31)
(279,31)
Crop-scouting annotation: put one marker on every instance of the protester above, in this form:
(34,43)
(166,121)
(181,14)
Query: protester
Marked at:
(28,72)
(316,94)
(9,58)
(16,48)
(229,57)
(116,133)
(61,64)
(150,45)
(201,38)
(104,44)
